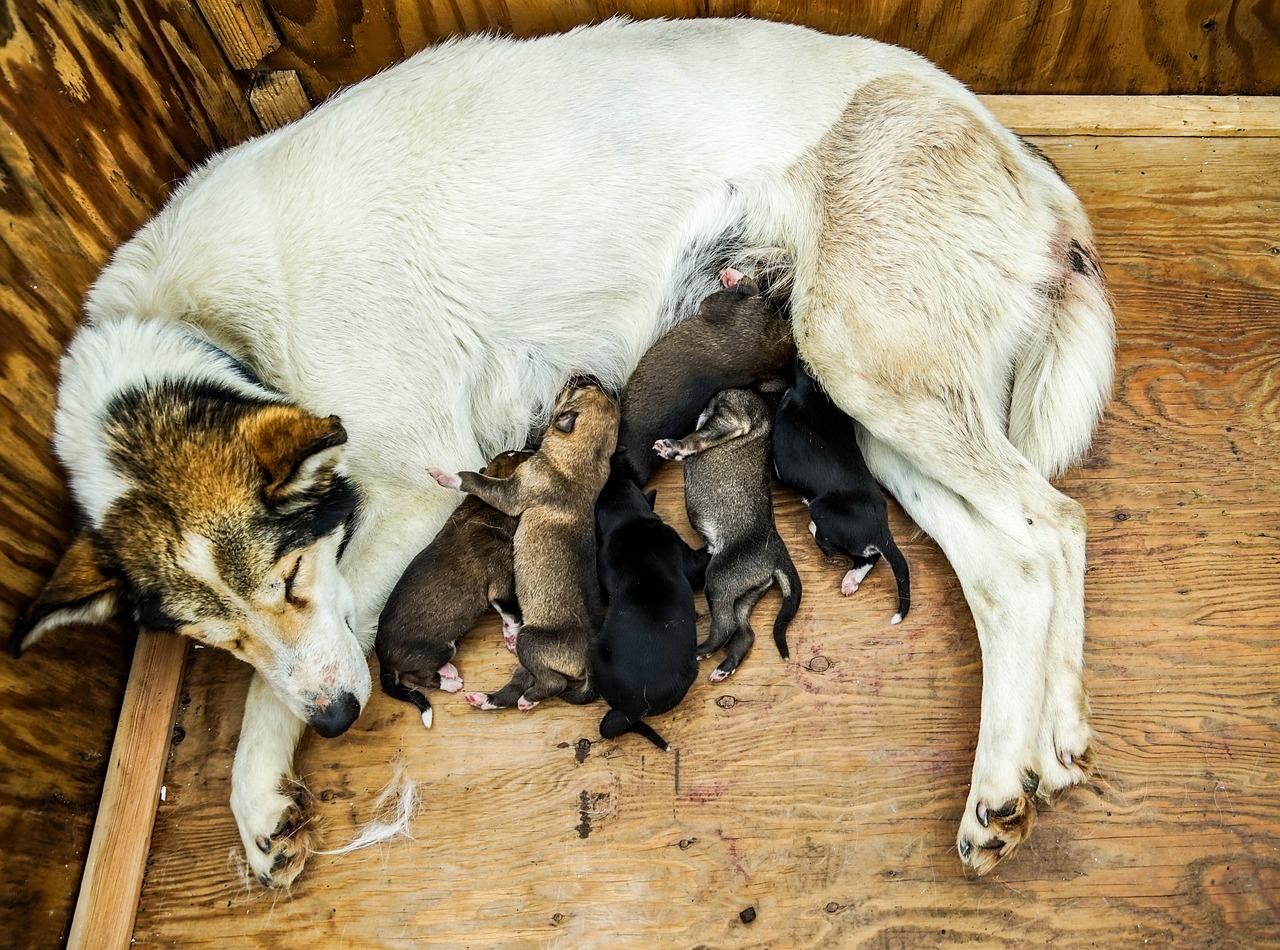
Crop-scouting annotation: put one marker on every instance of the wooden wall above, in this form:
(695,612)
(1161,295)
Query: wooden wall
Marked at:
(998,46)
(103,105)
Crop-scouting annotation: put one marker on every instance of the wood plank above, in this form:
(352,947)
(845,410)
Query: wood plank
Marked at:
(1033,47)
(823,793)
(243,29)
(1139,115)
(278,99)
(112,880)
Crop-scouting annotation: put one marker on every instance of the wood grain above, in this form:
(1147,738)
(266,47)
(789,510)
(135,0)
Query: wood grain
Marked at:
(112,880)
(278,98)
(242,28)
(1051,47)
(103,106)
(823,792)
(1139,115)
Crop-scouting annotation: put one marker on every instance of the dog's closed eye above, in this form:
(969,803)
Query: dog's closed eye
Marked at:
(565,421)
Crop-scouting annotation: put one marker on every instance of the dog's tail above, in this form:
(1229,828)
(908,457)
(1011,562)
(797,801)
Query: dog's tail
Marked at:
(1063,381)
(901,574)
(616,722)
(788,579)
(406,694)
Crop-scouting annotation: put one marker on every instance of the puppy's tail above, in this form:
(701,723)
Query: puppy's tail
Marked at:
(406,694)
(1063,381)
(901,574)
(616,722)
(788,579)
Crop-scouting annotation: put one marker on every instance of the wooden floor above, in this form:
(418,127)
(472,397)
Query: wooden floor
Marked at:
(823,793)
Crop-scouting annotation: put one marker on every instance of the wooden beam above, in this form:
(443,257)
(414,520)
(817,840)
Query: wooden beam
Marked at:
(278,98)
(112,881)
(1251,116)
(243,28)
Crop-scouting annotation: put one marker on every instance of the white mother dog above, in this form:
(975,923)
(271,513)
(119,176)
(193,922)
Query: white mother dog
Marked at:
(407,275)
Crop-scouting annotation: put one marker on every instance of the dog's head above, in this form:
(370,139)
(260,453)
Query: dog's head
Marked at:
(215,510)
(585,416)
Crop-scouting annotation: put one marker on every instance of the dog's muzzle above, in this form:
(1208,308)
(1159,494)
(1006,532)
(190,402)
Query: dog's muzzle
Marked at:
(335,718)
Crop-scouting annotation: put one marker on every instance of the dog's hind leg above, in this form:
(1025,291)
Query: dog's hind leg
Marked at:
(509,695)
(271,808)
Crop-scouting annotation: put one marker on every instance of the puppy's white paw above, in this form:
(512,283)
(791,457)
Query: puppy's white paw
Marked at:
(668,449)
(445,479)
(510,635)
(853,579)
(450,678)
(524,705)
(479,700)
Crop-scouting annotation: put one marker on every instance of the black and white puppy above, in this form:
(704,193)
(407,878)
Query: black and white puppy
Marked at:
(645,656)
(815,452)
(728,497)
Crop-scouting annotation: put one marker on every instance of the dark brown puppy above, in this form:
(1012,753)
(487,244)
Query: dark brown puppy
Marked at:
(728,496)
(554,549)
(737,336)
(442,593)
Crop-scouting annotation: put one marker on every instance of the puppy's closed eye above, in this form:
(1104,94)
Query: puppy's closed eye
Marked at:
(565,421)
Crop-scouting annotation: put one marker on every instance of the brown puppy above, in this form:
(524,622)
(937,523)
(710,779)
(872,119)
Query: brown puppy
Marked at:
(727,495)
(465,569)
(554,551)
(737,336)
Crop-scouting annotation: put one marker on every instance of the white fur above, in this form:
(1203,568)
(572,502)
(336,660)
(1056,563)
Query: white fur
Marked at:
(431,253)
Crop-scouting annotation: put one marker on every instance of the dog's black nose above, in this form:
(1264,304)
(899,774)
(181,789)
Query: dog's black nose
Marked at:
(337,717)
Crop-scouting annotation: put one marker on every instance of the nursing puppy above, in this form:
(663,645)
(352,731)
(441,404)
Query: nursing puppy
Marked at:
(554,549)
(815,452)
(463,571)
(728,498)
(737,336)
(645,657)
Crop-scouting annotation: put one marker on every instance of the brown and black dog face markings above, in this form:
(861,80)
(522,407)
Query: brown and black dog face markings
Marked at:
(465,569)
(553,494)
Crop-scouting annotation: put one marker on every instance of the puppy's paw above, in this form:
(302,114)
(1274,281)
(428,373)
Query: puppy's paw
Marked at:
(669,449)
(510,635)
(524,705)
(990,833)
(853,579)
(719,675)
(479,700)
(279,834)
(445,479)
(450,678)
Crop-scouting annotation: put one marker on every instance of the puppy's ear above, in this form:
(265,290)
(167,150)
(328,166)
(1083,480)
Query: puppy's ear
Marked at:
(651,497)
(298,452)
(566,420)
(78,592)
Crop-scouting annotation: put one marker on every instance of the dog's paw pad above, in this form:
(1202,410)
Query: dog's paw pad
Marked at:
(719,676)
(668,449)
(510,637)
(479,700)
(524,705)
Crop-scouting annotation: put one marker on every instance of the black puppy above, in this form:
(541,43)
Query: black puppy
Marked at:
(645,657)
(815,452)
(737,336)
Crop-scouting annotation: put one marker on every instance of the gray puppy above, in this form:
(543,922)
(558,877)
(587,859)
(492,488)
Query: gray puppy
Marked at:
(728,497)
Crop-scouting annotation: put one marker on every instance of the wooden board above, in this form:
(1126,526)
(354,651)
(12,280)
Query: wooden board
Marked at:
(1054,47)
(103,106)
(823,793)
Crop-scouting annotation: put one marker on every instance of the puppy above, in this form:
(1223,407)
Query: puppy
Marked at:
(554,549)
(736,337)
(815,452)
(443,592)
(645,657)
(727,495)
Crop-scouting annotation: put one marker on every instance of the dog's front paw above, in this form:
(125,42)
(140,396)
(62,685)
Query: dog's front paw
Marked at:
(1066,752)
(994,825)
(669,449)
(445,479)
(278,835)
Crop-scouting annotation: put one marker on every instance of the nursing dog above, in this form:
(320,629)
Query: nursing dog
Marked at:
(466,569)
(736,337)
(815,452)
(645,656)
(554,549)
(317,314)
(729,501)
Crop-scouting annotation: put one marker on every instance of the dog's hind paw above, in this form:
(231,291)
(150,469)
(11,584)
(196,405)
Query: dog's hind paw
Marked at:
(445,479)
(450,679)
(669,449)
(524,705)
(510,636)
(479,700)
(853,579)
(989,834)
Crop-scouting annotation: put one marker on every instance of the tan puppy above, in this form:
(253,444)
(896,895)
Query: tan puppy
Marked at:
(554,553)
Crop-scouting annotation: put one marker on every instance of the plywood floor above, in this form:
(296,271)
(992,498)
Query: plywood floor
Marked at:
(824,792)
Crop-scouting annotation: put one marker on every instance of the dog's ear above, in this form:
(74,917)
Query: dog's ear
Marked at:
(298,452)
(564,422)
(651,497)
(78,592)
